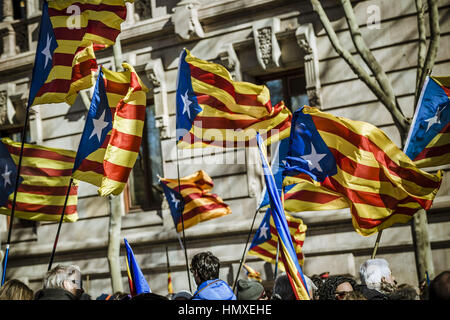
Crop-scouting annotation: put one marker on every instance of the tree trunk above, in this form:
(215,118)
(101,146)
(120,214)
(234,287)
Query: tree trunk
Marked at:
(422,246)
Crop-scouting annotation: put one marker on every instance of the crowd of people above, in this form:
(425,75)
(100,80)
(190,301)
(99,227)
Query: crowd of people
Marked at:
(376,282)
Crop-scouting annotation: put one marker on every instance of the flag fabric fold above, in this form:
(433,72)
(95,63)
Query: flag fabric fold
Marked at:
(252,274)
(214,110)
(194,200)
(112,135)
(46,174)
(70,32)
(353,161)
(428,142)
(265,242)
(136,279)
(8,174)
(287,251)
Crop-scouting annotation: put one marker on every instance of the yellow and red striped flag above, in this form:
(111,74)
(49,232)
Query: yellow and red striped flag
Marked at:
(46,174)
(252,274)
(75,28)
(265,242)
(193,200)
(356,162)
(113,131)
(214,110)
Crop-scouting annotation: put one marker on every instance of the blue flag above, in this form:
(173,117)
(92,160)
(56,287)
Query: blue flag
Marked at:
(43,60)
(287,251)
(98,123)
(136,278)
(176,202)
(8,174)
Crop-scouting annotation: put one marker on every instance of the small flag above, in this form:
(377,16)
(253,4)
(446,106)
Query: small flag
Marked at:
(265,241)
(287,251)
(70,32)
(428,142)
(46,177)
(252,274)
(214,110)
(193,199)
(136,278)
(169,275)
(356,162)
(112,135)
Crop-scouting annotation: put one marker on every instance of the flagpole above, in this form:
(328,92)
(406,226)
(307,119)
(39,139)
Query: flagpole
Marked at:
(59,226)
(19,166)
(182,222)
(276,260)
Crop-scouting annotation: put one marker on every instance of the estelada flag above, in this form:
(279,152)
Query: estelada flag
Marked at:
(214,110)
(70,31)
(265,242)
(193,200)
(428,142)
(46,174)
(356,162)
(287,251)
(112,135)
(136,280)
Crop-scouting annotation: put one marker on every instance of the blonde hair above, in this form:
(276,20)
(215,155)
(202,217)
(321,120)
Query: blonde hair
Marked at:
(15,290)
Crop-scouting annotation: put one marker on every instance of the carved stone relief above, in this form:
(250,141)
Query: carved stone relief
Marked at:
(3,108)
(185,20)
(229,60)
(268,50)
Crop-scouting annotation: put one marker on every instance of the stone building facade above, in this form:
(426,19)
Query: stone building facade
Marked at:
(279,43)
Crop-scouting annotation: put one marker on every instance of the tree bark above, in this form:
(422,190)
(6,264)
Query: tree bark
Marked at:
(422,47)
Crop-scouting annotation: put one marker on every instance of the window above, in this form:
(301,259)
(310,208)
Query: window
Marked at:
(143,187)
(288,86)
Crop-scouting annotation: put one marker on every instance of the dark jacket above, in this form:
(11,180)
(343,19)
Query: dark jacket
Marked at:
(214,290)
(54,294)
(371,294)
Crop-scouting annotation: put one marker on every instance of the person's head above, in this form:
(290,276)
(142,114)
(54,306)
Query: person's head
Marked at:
(282,289)
(182,295)
(374,272)
(440,287)
(65,277)
(250,290)
(405,292)
(205,266)
(336,287)
(354,295)
(15,290)
(149,296)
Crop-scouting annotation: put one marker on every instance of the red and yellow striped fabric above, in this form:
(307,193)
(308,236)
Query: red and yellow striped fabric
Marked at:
(109,166)
(97,26)
(199,203)
(223,112)
(46,174)
(380,183)
(268,249)
(169,283)
(252,274)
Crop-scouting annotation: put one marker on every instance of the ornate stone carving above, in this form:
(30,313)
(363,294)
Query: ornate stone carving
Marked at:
(3,108)
(267,48)
(143,8)
(229,60)
(185,20)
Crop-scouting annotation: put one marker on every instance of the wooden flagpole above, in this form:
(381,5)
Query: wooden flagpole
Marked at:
(59,225)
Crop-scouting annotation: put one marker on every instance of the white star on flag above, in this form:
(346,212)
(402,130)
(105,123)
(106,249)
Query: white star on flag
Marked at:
(186,103)
(46,52)
(6,176)
(99,125)
(263,231)
(175,200)
(313,159)
(434,119)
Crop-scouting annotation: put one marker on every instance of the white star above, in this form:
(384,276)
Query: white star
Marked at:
(174,200)
(186,103)
(46,52)
(6,176)
(435,119)
(263,231)
(313,159)
(99,125)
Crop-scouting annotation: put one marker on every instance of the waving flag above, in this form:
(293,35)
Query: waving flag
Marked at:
(252,274)
(428,142)
(287,251)
(70,31)
(265,242)
(136,278)
(112,135)
(193,200)
(8,174)
(357,161)
(214,110)
(46,177)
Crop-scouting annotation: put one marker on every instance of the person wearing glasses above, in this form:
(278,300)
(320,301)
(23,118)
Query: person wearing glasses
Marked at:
(205,269)
(62,283)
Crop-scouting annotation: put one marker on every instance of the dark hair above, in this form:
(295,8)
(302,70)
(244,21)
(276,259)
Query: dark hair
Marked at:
(440,287)
(149,296)
(282,289)
(328,288)
(404,292)
(206,265)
